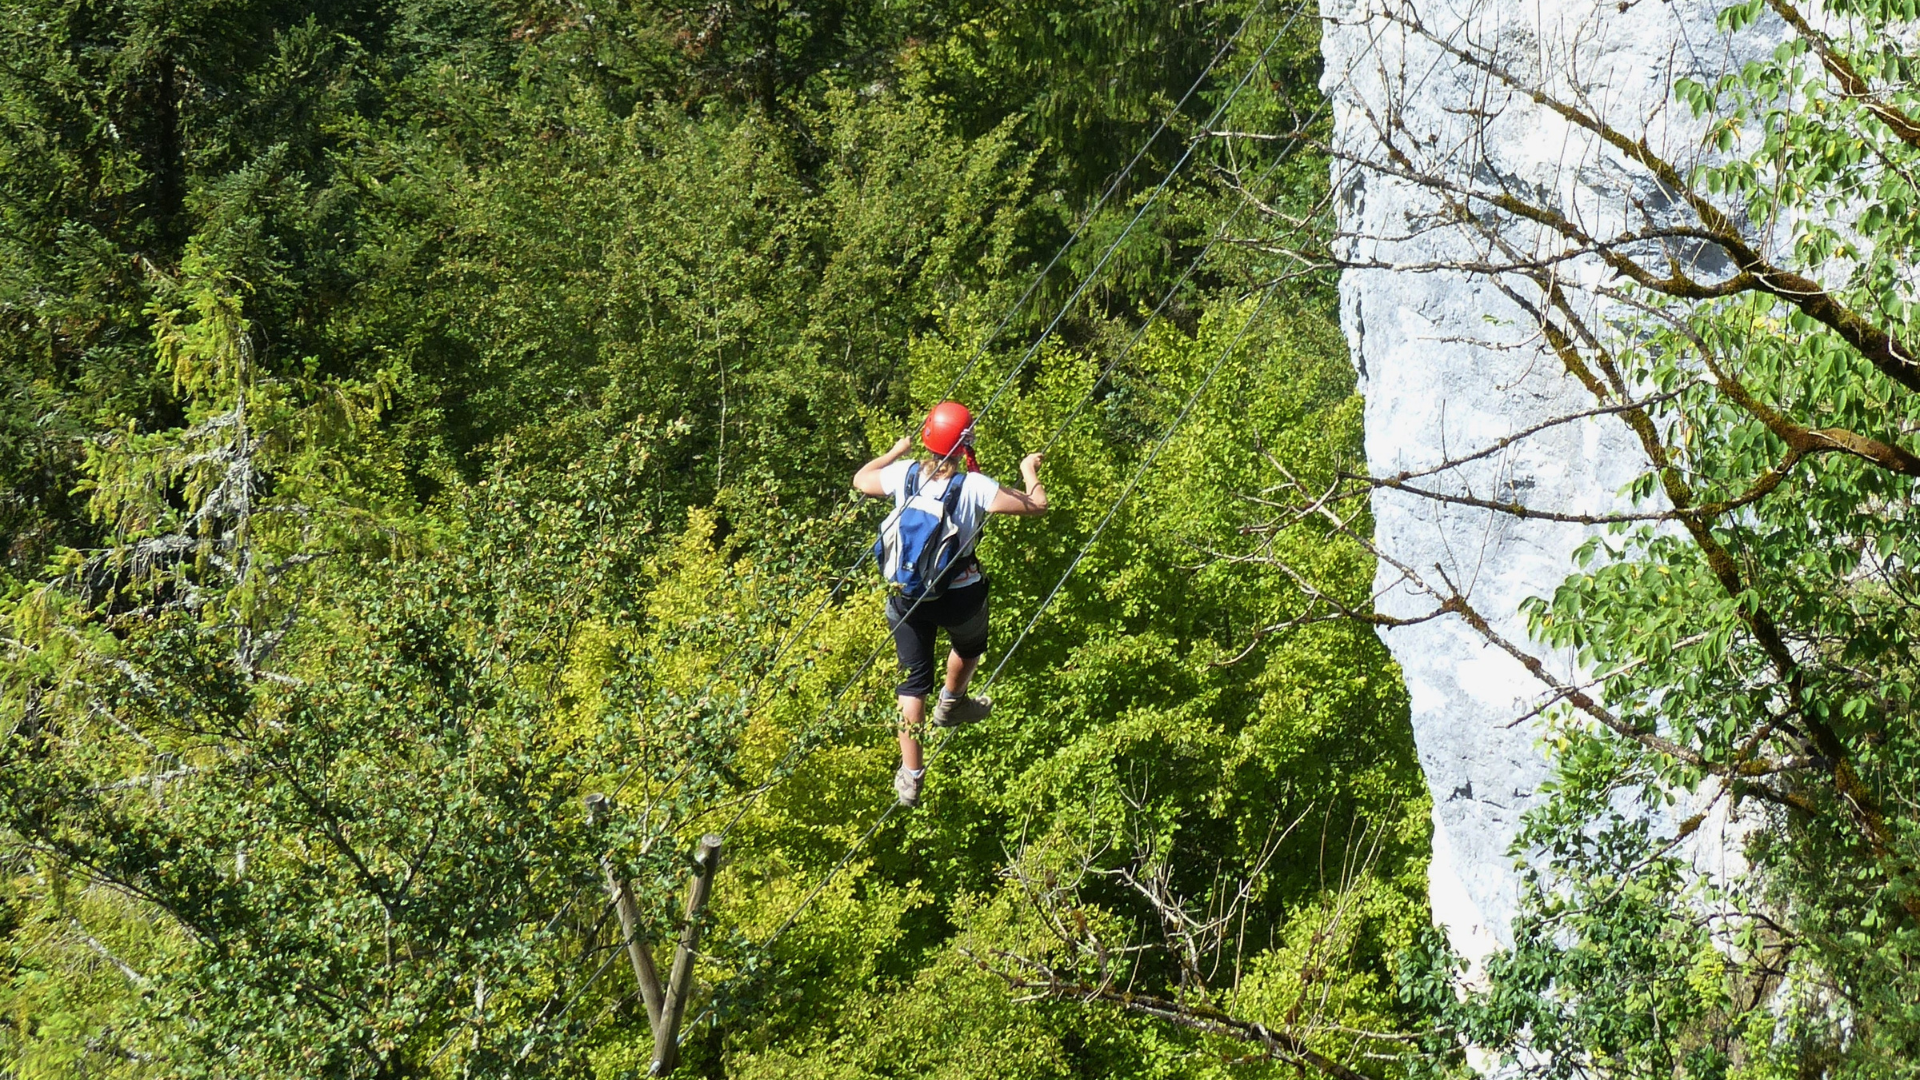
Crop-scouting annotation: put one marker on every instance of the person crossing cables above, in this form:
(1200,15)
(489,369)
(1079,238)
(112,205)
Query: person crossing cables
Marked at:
(926,553)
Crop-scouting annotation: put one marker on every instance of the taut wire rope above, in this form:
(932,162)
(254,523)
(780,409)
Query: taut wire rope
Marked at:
(1005,382)
(1026,357)
(1086,282)
(799,744)
(887,812)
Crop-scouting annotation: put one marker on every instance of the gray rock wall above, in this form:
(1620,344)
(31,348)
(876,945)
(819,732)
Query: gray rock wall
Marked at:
(1451,365)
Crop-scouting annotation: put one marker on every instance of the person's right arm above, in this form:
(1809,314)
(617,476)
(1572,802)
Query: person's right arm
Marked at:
(867,480)
(1029,502)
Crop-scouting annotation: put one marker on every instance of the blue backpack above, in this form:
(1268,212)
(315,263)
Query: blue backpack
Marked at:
(920,545)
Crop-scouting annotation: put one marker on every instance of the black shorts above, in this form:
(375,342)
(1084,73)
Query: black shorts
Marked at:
(961,612)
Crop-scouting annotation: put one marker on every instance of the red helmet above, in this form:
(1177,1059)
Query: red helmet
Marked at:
(948,425)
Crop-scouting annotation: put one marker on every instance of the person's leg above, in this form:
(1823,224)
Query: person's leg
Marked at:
(913,716)
(966,626)
(913,635)
(960,671)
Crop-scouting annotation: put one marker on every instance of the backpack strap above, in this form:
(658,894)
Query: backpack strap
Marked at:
(950,502)
(912,485)
(956,486)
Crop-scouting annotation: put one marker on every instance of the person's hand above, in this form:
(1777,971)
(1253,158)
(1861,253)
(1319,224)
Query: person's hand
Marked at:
(1030,465)
(905,444)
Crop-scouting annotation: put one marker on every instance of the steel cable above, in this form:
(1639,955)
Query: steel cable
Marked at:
(844,577)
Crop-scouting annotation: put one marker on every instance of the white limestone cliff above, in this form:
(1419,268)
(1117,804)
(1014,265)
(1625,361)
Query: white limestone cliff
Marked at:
(1450,365)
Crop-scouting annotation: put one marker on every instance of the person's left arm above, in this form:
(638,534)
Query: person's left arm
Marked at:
(1030,502)
(867,480)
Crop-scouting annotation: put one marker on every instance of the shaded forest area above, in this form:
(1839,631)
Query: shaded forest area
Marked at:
(420,415)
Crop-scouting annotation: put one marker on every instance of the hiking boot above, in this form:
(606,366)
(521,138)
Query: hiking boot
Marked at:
(907,786)
(954,711)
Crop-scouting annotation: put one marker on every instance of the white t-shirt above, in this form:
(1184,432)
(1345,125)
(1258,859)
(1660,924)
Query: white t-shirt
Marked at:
(970,513)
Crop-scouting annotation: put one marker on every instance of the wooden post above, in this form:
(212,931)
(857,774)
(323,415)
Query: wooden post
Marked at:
(638,952)
(666,1046)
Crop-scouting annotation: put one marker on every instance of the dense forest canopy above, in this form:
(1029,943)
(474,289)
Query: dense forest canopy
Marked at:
(420,416)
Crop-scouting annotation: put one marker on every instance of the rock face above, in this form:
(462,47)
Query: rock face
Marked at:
(1452,363)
